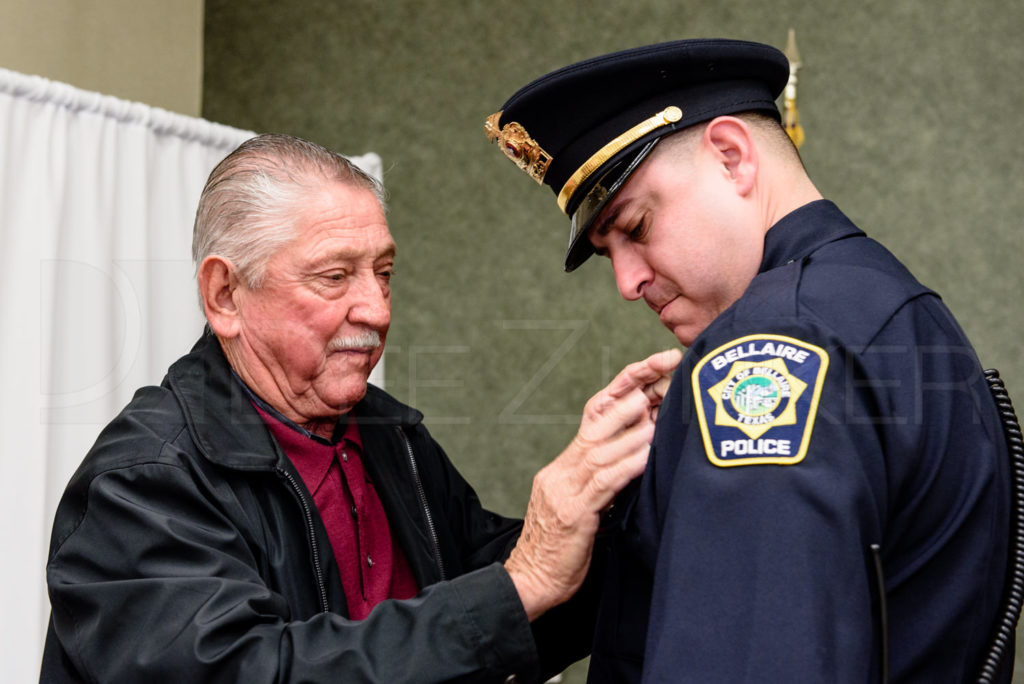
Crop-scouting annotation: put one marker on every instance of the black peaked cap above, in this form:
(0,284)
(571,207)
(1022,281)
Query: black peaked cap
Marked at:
(583,129)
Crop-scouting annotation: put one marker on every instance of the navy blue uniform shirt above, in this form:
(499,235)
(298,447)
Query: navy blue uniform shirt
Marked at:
(836,405)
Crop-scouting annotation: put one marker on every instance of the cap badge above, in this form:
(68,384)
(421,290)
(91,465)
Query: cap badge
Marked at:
(518,146)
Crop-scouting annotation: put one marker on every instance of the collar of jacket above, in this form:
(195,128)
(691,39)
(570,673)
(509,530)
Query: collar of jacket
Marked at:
(226,427)
(803,231)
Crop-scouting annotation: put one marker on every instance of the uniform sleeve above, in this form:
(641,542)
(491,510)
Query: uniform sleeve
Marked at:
(155,583)
(768,497)
(766,515)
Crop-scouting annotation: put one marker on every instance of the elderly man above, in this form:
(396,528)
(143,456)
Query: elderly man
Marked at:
(266,516)
(827,495)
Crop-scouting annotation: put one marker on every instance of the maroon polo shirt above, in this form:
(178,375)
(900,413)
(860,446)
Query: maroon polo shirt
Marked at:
(372,565)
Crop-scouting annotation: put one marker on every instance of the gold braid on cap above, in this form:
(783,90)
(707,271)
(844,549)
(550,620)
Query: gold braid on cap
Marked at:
(518,146)
(666,116)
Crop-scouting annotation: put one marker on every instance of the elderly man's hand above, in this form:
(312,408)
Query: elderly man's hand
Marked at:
(551,558)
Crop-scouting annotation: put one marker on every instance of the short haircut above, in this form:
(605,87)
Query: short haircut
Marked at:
(248,207)
(765,129)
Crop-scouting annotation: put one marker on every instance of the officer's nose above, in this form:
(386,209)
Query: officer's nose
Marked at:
(632,274)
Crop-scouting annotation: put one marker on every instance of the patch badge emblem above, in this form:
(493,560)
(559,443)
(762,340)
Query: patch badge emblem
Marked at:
(756,399)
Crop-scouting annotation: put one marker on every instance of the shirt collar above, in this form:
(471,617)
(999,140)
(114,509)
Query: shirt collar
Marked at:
(311,454)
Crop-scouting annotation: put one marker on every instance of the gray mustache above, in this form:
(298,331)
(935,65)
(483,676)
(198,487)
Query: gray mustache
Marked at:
(362,340)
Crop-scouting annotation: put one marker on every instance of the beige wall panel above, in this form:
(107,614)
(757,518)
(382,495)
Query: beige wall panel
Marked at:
(147,51)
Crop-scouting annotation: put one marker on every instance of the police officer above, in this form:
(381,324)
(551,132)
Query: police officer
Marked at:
(827,495)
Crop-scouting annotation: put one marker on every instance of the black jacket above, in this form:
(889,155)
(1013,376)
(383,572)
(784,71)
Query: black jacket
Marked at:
(187,549)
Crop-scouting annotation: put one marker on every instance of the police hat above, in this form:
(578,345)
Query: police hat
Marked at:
(584,129)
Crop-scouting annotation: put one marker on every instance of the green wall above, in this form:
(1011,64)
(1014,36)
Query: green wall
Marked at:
(909,108)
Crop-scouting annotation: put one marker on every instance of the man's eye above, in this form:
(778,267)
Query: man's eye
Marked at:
(637,232)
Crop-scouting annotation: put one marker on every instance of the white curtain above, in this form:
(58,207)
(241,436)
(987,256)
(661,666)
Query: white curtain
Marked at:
(97,197)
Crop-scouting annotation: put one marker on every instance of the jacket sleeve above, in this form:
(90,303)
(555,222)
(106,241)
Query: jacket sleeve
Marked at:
(564,634)
(150,580)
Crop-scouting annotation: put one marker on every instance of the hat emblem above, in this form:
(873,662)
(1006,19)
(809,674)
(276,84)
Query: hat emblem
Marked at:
(518,146)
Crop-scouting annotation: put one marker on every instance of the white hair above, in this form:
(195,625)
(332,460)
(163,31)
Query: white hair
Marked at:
(248,207)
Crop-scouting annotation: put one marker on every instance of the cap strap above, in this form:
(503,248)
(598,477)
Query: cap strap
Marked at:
(663,118)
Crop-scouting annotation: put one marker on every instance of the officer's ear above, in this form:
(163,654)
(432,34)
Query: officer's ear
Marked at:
(219,287)
(732,146)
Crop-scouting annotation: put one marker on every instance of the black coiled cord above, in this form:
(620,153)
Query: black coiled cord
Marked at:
(1013,593)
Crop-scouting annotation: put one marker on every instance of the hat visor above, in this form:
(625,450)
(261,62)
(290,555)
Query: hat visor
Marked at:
(594,202)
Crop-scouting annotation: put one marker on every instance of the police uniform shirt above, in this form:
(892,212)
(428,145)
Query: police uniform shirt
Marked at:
(836,405)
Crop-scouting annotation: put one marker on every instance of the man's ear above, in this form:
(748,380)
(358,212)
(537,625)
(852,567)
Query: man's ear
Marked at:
(218,287)
(733,145)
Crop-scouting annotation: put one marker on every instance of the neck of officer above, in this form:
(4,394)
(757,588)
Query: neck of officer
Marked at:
(784,187)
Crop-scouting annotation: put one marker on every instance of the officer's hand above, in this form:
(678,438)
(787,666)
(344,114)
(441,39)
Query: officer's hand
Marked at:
(552,555)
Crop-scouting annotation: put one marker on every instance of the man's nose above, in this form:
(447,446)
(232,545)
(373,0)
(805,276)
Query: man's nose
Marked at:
(631,274)
(370,302)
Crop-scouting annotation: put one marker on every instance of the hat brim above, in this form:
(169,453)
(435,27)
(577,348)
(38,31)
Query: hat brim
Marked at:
(597,198)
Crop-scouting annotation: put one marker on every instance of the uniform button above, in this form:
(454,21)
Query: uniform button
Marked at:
(355,513)
(369,561)
(344,456)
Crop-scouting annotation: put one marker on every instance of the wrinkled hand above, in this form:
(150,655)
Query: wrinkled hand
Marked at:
(553,553)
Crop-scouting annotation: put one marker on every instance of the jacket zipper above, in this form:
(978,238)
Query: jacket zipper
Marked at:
(312,537)
(423,500)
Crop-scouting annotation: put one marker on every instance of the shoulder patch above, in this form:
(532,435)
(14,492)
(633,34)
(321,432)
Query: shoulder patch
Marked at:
(756,399)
